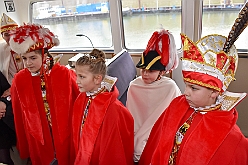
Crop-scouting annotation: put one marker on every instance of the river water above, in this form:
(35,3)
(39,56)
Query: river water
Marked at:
(138,28)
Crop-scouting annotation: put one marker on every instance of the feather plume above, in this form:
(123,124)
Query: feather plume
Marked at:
(239,25)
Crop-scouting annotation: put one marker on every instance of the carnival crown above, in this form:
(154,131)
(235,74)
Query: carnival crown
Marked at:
(205,63)
(7,23)
(160,53)
(212,61)
(30,37)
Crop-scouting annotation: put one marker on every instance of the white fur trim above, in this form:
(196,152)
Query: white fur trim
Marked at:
(173,56)
(23,47)
(56,42)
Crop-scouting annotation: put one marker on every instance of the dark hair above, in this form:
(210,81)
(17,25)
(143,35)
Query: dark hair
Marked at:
(95,60)
(50,57)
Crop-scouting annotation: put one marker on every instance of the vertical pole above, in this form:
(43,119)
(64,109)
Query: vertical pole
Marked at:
(157,5)
(117,22)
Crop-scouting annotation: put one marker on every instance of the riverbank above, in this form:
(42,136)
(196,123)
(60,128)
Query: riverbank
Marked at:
(71,17)
(100,15)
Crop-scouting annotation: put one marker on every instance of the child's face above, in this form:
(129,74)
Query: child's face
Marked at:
(6,36)
(198,96)
(32,61)
(149,76)
(86,80)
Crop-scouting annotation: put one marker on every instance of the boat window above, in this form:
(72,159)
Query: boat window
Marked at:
(219,16)
(142,17)
(76,23)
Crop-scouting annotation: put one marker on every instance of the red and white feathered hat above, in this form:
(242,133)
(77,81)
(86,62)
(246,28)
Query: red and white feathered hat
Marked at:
(160,53)
(206,64)
(7,23)
(30,37)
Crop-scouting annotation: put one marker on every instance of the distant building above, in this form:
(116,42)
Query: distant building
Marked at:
(93,7)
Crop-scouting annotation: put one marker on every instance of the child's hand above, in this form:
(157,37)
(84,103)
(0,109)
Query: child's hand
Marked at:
(2,109)
(6,93)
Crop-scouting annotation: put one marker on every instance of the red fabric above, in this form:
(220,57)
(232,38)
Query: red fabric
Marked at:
(190,51)
(232,68)
(212,138)
(36,32)
(33,134)
(107,136)
(160,42)
(202,79)
(221,60)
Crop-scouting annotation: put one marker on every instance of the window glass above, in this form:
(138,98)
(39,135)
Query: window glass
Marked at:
(219,17)
(69,18)
(143,17)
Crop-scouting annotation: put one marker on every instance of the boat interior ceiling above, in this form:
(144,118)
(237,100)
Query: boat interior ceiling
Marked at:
(119,25)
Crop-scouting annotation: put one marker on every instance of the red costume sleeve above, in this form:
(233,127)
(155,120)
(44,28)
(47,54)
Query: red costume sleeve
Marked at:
(107,135)
(75,90)
(114,144)
(213,138)
(22,143)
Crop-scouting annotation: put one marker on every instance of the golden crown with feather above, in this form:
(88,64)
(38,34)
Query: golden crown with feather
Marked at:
(206,64)
(212,61)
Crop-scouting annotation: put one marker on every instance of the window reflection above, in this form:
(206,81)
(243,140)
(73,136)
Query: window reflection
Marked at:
(148,16)
(219,17)
(67,18)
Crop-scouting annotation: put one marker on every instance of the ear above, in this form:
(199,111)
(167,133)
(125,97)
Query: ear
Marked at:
(98,79)
(162,72)
(215,94)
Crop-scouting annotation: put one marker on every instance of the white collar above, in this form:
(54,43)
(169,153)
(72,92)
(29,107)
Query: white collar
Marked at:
(227,100)
(107,83)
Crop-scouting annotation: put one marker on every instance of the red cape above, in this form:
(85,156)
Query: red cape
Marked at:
(33,134)
(107,136)
(213,138)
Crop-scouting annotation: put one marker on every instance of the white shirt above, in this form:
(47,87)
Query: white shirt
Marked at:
(8,66)
(147,102)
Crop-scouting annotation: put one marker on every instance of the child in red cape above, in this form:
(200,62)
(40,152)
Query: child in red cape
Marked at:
(42,96)
(199,127)
(102,126)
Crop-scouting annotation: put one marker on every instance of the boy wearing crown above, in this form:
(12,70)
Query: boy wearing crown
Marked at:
(10,63)
(159,57)
(42,95)
(199,127)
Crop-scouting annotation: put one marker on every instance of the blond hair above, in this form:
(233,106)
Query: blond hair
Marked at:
(95,60)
